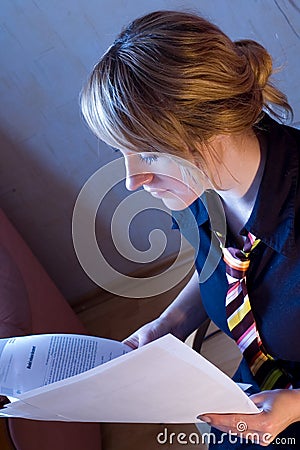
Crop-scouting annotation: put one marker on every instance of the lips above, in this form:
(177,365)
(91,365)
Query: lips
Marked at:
(156,192)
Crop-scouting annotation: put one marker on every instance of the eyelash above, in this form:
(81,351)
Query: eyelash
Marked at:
(144,158)
(148,159)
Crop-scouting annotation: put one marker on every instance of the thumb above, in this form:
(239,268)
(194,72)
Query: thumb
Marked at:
(258,399)
(145,339)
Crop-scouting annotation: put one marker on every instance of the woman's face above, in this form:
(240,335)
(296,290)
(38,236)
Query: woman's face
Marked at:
(173,180)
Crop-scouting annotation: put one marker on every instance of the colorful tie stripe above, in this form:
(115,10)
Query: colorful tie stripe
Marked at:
(241,322)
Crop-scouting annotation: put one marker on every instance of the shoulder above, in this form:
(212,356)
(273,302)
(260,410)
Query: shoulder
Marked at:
(293,132)
(278,133)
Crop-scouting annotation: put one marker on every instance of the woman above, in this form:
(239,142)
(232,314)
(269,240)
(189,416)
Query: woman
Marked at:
(173,83)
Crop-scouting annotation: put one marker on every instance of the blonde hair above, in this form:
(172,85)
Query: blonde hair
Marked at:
(173,80)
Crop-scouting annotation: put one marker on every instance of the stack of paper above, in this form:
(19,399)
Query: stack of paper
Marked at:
(163,382)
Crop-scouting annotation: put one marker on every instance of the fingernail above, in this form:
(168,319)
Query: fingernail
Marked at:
(204,418)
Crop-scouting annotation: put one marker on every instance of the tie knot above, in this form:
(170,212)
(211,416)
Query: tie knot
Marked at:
(238,260)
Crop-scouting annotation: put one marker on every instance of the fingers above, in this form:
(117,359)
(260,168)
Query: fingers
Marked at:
(258,399)
(132,342)
(226,422)
(245,427)
(137,340)
(147,333)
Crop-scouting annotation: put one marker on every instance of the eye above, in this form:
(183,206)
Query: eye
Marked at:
(148,159)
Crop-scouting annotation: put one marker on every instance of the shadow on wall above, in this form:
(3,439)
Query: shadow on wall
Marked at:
(39,202)
(39,199)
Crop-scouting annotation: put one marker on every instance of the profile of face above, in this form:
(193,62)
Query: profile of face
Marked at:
(174,180)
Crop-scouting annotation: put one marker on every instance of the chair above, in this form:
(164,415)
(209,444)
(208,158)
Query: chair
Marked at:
(200,335)
(30,303)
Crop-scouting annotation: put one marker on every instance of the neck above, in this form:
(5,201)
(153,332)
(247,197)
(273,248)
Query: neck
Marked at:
(240,173)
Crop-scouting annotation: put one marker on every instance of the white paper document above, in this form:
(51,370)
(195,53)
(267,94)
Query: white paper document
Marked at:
(88,379)
(29,362)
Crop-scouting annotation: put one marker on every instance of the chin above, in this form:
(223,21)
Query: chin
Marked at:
(177,203)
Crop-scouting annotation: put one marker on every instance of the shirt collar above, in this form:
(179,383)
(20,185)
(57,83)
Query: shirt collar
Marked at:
(273,217)
(207,208)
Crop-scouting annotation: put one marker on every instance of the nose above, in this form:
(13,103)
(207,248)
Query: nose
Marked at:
(135,176)
(134,182)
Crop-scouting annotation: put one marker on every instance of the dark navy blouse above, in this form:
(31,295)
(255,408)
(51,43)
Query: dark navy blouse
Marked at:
(274,275)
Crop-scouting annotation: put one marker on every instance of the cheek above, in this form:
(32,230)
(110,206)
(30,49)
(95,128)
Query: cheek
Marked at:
(166,170)
(181,187)
(171,177)
(176,186)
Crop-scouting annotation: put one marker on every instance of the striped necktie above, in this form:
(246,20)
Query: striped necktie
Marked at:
(241,322)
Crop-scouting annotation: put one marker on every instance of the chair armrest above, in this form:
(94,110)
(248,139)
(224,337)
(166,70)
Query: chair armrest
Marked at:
(5,440)
(200,334)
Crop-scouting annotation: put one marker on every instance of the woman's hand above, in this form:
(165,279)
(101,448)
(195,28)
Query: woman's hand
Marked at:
(281,408)
(183,316)
(148,333)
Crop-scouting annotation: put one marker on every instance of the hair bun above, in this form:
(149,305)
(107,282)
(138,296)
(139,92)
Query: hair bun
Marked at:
(258,58)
